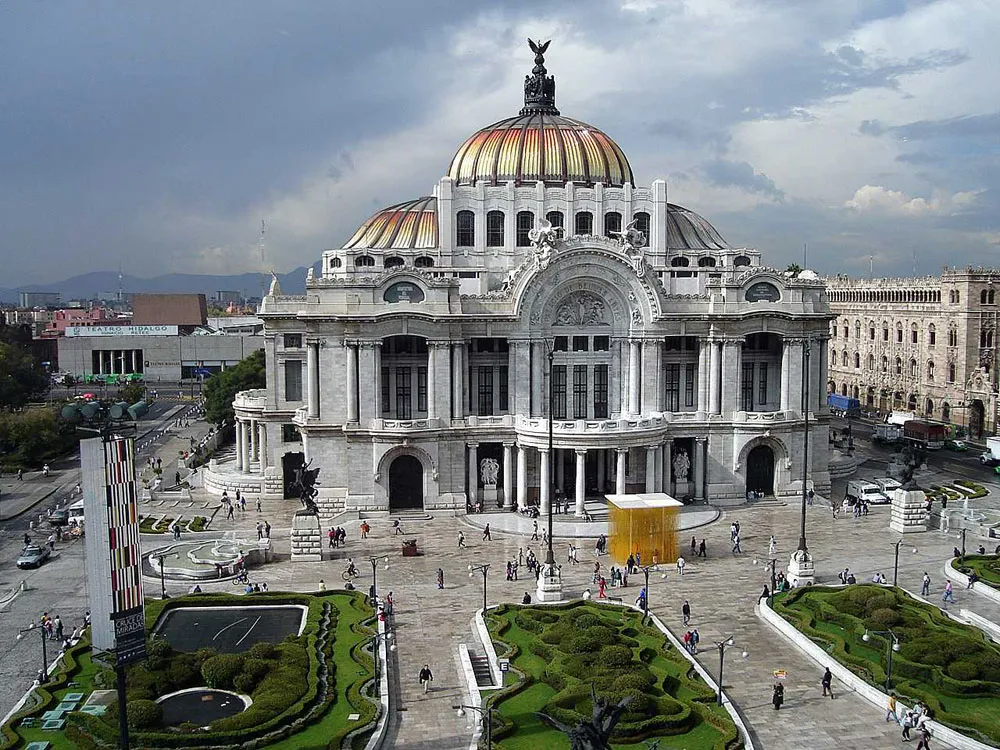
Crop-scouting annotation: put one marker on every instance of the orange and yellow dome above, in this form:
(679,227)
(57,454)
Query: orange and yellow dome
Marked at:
(409,225)
(538,145)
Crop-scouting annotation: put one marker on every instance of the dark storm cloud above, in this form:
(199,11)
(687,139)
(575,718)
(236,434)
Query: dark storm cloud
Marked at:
(740,174)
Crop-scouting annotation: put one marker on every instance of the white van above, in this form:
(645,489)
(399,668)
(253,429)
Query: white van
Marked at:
(888,485)
(858,489)
(76,513)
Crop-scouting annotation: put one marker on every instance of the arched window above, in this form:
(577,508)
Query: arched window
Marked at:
(679,262)
(899,333)
(930,370)
(857,361)
(556,218)
(583,223)
(833,357)
(899,366)
(914,334)
(612,223)
(393,261)
(885,331)
(885,364)
(946,411)
(706,262)
(951,372)
(846,331)
(855,392)
(958,297)
(465,229)
(857,329)
(424,261)
(982,297)
(929,408)
(336,262)
(843,389)
(913,368)
(952,337)
(843,359)
(871,331)
(641,219)
(911,402)
(833,330)
(931,335)
(364,261)
(871,362)
(525,223)
(494,229)
(741,260)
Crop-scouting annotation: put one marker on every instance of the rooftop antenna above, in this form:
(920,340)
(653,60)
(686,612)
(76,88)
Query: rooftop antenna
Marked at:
(871,266)
(805,255)
(914,261)
(121,291)
(263,268)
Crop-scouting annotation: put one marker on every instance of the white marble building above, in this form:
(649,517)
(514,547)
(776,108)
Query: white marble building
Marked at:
(418,362)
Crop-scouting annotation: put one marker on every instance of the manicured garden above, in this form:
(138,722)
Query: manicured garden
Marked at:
(953,668)
(302,688)
(987,567)
(558,652)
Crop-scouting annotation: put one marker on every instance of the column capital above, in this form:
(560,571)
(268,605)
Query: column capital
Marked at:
(580,451)
(472,446)
(544,451)
(621,451)
(438,344)
(315,341)
(349,343)
(701,439)
(370,343)
(651,448)
(507,444)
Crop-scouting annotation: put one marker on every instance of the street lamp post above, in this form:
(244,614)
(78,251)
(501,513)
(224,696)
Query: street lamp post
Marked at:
(550,559)
(486,713)
(893,645)
(374,560)
(801,568)
(163,583)
(482,569)
(43,673)
(722,646)
(774,581)
(550,582)
(386,636)
(645,599)
(961,560)
(895,563)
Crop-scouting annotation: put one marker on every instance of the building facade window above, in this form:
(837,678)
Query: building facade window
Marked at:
(762,383)
(384,387)
(556,219)
(494,229)
(951,372)
(583,223)
(914,335)
(485,391)
(689,380)
(612,223)
(559,392)
(931,335)
(293,380)
(424,261)
(525,223)
(364,261)
(746,387)
(422,389)
(404,408)
(393,261)
(465,229)
(913,368)
(672,386)
(504,389)
(292,340)
(600,392)
(641,219)
(579,391)
(930,370)
(857,361)
(899,366)
(899,333)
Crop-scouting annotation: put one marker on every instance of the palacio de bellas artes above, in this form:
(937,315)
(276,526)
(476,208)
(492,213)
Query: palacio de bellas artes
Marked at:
(536,282)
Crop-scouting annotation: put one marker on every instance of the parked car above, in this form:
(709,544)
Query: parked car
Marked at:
(887,485)
(33,556)
(870,492)
(956,445)
(59,517)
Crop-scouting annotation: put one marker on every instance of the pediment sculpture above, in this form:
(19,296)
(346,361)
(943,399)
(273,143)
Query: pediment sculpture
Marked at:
(582,309)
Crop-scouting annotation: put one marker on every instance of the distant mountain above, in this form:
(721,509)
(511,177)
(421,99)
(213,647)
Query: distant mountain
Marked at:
(90,285)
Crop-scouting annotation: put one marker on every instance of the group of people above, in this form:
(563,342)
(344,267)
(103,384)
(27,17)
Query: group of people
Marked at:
(336,536)
(916,718)
(698,549)
(239,503)
(691,639)
(734,537)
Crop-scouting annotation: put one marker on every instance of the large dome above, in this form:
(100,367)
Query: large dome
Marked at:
(541,146)
(409,225)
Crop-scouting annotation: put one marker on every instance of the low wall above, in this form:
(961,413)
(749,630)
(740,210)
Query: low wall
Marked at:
(872,694)
(217,481)
(979,587)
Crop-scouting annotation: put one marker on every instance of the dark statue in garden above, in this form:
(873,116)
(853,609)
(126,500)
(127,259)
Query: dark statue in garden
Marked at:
(906,463)
(305,484)
(595,734)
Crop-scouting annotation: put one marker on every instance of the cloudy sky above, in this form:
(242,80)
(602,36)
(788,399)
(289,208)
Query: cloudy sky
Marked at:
(158,135)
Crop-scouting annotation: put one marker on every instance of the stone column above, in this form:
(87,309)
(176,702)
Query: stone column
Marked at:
(732,375)
(559,458)
(714,378)
(520,368)
(522,477)
(239,445)
(703,376)
(432,356)
(601,470)
(821,369)
(508,475)
(633,377)
(620,470)
(379,406)
(652,393)
(650,468)
(245,448)
(352,382)
(252,429)
(312,378)
(473,473)
(581,482)
(785,382)
(794,349)
(658,470)
(699,468)
(543,481)
(262,446)
(457,374)
(668,466)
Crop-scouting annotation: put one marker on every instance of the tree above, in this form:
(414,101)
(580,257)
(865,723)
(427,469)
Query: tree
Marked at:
(31,437)
(132,393)
(221,388)
(22,377)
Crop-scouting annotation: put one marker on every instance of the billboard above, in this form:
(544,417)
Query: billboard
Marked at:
(72,331)
(114,555)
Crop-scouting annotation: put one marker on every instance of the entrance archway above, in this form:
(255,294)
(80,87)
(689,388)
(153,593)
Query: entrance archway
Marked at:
(760,470)
(977,416)
(406,483)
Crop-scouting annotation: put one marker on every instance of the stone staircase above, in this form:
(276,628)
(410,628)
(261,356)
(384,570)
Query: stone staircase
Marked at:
(481,668)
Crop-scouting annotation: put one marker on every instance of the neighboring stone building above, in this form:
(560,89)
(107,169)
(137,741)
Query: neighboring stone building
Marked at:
(926,345)
(416,368)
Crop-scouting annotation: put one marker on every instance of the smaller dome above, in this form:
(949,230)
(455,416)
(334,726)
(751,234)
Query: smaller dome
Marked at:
(409,225)
(687,230)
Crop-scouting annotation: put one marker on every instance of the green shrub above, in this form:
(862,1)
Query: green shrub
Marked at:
(963,670)
(634,681)
(157,653)
(262,650)
(143,714)
(884,617)
(221,670)
(587,620)
(615,657)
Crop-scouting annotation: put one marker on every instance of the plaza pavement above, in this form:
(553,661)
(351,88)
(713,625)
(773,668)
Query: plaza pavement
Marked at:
(722,590)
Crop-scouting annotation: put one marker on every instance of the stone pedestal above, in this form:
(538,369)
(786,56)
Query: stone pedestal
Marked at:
(683,489)
(908,514)
(307,538)
(801,569)
(549,585)
(490,496)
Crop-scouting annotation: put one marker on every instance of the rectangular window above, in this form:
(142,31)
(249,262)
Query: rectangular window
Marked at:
(559,391)
(504,375)
(762,383)
(584,223)
(293,380)
(422,389)
(600,392)
(689,380)
(579,391)
(581,343)
(746,387)
(404,409)
(494,229)
(525,223)
(385,390)
(466,229)
(672,387)
(293,340)
(602,343)
(561,344)
(485,391)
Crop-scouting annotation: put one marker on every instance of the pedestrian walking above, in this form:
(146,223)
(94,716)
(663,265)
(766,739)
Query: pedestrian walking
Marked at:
(365,528)
(948,595)
(736,545)
(229,513)
(601,585)
(20,475)
(260,530)
(440,578)
(52,541)
(680,566)
(331,536)
(827,682)
(322,585)
(177,478)
(267,530)
(925,738)
(772,547)
(702,549)
(177,532)
(426,677)
(925,587)
(890,710)
(908,721)
(695,639)
(534,531)
(694,546)
(686,611)
(461,539)
(520,555)
(57,623)
(486,533)
(258,505)
(396,528)
(777,695)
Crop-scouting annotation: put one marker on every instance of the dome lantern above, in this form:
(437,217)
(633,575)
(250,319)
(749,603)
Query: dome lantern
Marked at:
(539,88)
